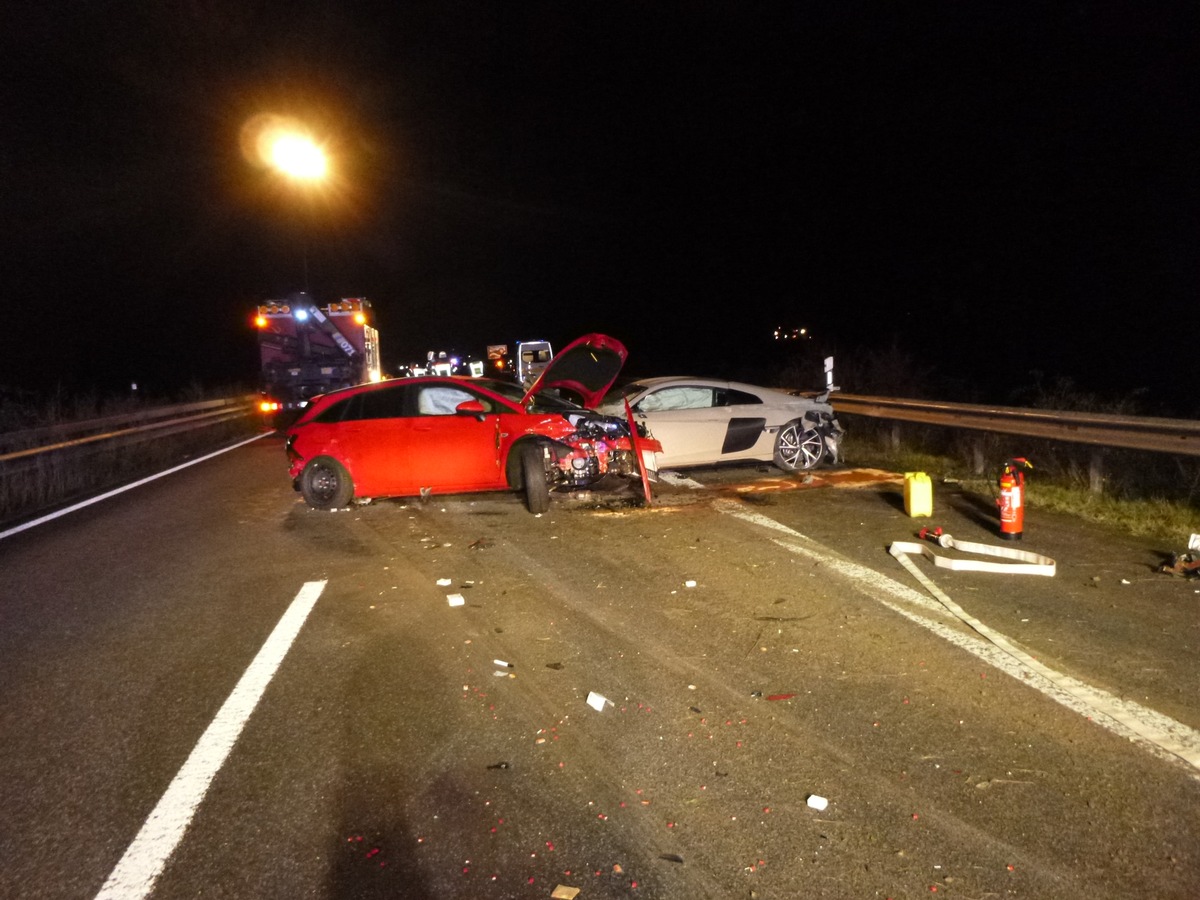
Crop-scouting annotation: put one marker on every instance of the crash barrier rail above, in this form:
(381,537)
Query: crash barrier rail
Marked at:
(163,420)
(1099,430)
(43,467)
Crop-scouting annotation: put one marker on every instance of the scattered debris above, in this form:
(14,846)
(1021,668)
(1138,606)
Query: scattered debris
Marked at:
(563,892)
(690,583)
(502,664)
(499,765)
(456,599)
(556,666)
(816,801)
(671,857)
(598,701)
(444,582)
(481,544)
(1183,564)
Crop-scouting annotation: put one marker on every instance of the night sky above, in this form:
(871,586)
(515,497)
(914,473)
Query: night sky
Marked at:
(987,191)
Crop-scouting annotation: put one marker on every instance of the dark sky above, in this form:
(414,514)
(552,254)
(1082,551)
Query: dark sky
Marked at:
(990,189)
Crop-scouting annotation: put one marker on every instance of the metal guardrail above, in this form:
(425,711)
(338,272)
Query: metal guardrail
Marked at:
(41,468)
(163,419)
(1179,436)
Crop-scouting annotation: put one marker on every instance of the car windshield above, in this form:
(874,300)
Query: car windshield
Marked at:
(617,394)
(548,400)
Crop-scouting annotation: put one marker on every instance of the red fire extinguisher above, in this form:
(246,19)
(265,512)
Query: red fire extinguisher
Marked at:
(1012,498)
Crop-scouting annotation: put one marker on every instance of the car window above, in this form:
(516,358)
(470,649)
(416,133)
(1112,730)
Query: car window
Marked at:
(676,398)
(443,400)
(730,397)
(386,403)
(342,411)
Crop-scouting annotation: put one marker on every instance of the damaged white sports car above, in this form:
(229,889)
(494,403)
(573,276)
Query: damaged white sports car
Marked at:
(700,421)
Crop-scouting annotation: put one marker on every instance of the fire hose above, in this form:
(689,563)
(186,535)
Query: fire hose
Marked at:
(1026,563)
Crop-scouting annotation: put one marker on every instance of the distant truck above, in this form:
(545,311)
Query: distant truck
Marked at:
(307,350)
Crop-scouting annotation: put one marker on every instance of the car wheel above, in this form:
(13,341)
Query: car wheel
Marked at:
(797,448)
(326,484)
(533,478)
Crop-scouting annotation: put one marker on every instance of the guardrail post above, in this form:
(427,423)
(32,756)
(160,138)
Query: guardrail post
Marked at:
(1096,471)
(978,458)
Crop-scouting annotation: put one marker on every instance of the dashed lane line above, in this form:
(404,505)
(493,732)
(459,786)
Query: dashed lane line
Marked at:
(135,875)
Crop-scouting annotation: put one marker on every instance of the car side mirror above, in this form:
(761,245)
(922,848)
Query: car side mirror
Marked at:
(471,408)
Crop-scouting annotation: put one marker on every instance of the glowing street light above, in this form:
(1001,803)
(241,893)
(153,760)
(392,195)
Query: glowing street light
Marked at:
(298,157)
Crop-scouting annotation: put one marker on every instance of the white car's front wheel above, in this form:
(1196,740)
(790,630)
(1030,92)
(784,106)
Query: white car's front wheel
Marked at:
(798,448)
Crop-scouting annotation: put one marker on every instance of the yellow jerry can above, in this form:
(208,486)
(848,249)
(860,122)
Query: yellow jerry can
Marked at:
(918,494)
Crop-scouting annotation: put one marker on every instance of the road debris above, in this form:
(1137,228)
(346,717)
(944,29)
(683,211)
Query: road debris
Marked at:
(456,599)
(598,701)
(564,892)
(816,801)
(1187,564)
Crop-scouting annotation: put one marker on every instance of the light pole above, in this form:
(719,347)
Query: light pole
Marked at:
(300,160)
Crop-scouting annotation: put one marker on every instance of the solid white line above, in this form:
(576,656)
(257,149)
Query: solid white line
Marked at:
(143,862)
(1165,737)
(128,487)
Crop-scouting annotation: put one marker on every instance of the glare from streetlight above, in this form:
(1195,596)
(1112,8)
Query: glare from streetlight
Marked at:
(298,157)
(285,145)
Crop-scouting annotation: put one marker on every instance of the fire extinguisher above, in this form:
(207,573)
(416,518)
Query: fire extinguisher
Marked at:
(1012,497)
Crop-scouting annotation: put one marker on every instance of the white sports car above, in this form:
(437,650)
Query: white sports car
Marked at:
(700,421)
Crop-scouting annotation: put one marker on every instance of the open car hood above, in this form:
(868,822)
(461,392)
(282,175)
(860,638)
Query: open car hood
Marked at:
(588,366)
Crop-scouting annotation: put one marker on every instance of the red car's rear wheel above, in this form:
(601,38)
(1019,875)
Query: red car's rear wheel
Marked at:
(326,484)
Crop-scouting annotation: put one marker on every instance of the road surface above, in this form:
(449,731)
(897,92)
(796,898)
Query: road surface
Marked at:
(209,690)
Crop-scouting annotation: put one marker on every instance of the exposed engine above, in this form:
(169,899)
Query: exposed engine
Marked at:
(600,446)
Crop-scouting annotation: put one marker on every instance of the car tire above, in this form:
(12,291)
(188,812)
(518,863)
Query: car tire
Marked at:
(798,448)
(533,478)
(326,484)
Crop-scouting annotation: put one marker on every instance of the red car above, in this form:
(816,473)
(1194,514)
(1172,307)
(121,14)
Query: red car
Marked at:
(442,435)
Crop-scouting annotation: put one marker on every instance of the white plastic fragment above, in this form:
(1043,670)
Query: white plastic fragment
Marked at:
(444,582)
(597,701)
(456,599)
(817,802)
(689,583)
(501,663)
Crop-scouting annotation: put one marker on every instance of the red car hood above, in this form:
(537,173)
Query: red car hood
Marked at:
(588,366)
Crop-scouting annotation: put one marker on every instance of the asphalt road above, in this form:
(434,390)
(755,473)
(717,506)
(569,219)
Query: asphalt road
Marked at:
(749,642)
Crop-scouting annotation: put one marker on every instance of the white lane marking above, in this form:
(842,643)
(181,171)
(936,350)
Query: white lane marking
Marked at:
(17,529)
(143,862)
(1163,736)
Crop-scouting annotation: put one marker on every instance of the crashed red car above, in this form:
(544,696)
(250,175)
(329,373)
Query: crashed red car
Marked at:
(442,435)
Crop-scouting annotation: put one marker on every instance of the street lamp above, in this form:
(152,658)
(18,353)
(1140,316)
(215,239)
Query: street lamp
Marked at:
(283,144)
(299,158)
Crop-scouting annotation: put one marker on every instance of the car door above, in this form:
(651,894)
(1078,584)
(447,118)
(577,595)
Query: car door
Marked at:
(369,440)
(450,451)
(684,419)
